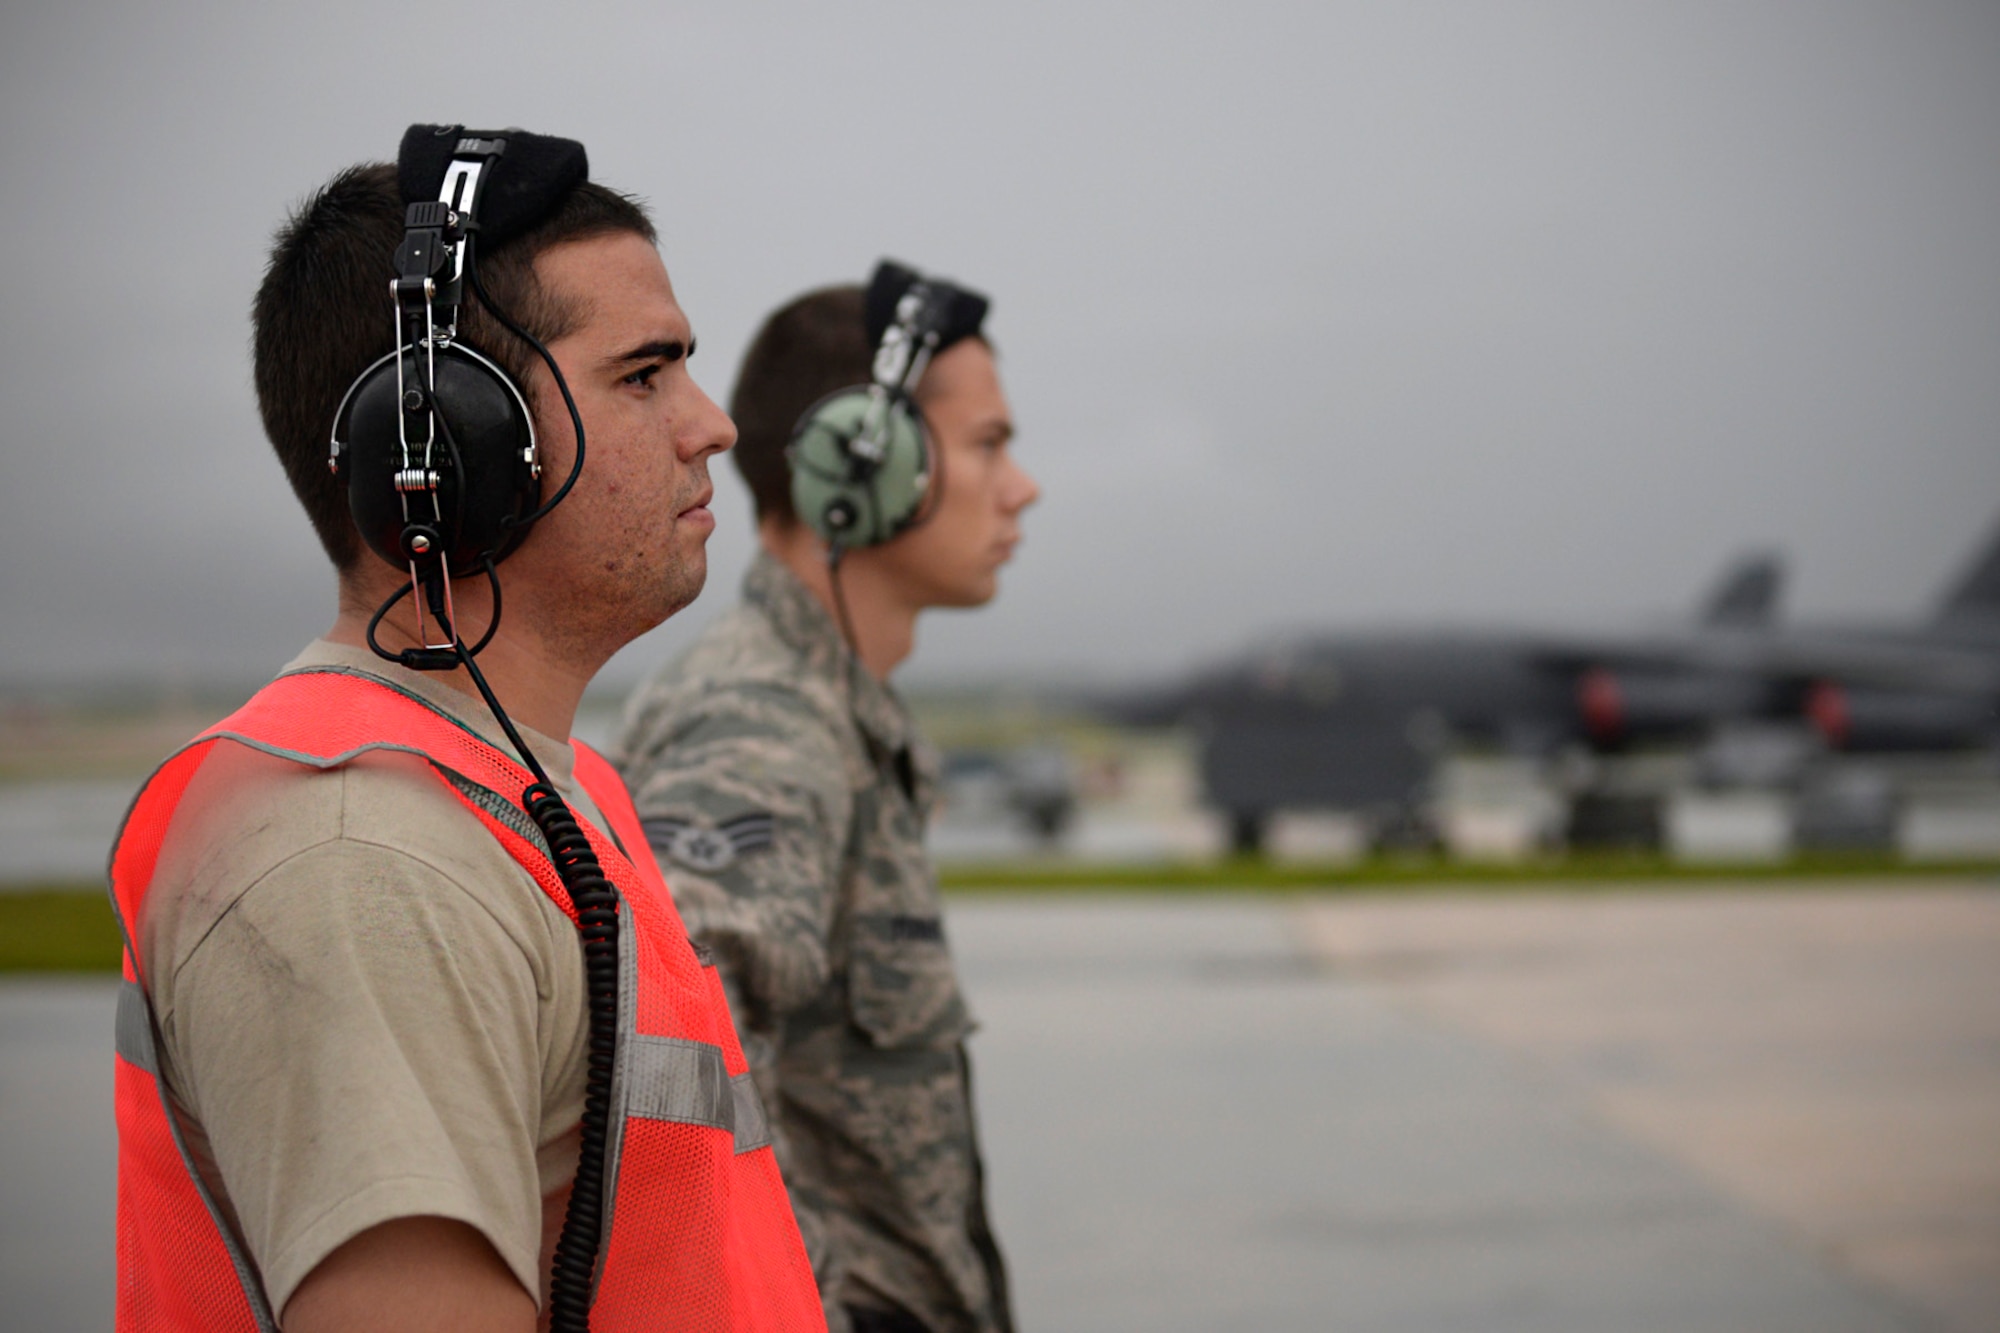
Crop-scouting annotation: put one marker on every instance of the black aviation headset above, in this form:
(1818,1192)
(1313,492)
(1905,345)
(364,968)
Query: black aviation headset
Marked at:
(435,440)
(861,458)
(443,478)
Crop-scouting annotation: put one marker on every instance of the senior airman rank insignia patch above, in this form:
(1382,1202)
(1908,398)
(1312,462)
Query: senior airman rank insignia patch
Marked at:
(707,848)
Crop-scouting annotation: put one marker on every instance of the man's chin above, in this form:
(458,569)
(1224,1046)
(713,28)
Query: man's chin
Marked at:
(671,592)
(684,583)
(967,595)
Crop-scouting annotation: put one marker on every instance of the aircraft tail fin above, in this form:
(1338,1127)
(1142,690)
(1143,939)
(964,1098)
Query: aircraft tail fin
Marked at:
(1976,594)
(1747,596)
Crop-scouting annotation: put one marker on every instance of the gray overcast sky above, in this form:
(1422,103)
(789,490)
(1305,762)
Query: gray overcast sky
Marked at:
(1327,314)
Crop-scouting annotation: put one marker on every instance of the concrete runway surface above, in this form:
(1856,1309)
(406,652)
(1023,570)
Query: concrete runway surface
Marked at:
(1747,1111)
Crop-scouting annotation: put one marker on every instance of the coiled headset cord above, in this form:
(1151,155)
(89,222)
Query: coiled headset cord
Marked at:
(595,899)
(593,896)
(596,903)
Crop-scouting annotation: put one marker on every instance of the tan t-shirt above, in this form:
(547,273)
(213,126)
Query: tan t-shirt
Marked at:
(367,1009)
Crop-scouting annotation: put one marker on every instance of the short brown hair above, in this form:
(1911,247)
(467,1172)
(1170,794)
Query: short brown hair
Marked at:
(813,346)
(322,316)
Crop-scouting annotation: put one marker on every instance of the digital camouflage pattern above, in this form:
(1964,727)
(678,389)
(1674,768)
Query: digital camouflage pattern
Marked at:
(785,796)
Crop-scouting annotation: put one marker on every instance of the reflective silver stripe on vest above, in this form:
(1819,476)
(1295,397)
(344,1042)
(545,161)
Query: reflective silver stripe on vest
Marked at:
(753,1131)
(502,809)
(671,1078)
(133,1038)
(667,1078)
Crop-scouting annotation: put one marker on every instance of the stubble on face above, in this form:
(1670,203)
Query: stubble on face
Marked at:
(665,582)
(622,555)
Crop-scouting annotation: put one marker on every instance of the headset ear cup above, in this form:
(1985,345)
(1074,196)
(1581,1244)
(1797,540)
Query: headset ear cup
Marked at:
(846,498)
(483,453)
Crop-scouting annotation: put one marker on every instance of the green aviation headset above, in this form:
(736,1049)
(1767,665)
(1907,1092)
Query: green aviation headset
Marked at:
(861,457)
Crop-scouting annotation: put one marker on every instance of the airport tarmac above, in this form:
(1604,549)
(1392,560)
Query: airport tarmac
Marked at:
(1763,1109)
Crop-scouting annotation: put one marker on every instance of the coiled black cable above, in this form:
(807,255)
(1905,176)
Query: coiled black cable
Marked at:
(596,903)
(593,896)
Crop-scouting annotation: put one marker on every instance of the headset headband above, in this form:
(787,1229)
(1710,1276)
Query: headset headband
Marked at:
(438,233)
(911,319)
(538,172)
(953,312)
(458,184)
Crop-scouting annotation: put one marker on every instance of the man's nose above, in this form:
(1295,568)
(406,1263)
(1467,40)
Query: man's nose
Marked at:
(1022,489)
(711,431)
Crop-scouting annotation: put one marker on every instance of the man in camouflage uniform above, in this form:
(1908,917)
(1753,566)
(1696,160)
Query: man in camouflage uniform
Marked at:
(785,792)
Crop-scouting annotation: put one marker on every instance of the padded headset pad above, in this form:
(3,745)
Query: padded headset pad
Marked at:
(488,482)
(526,183)
(959,312)
(823,472)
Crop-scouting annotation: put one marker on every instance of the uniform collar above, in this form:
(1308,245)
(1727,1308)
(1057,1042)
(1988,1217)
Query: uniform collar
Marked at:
(808,628)
(469,711)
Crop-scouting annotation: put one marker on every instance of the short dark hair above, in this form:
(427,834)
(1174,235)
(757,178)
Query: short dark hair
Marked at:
(322,316)
(814,346)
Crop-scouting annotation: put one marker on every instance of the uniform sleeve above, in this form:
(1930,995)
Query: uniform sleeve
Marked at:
(747,805)
(358,1038)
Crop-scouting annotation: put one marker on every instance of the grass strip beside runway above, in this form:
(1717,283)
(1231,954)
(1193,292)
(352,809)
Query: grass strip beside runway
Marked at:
(1417,873)
(68,927)
(58,928)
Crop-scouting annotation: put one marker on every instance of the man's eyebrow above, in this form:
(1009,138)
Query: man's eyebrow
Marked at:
(670,350)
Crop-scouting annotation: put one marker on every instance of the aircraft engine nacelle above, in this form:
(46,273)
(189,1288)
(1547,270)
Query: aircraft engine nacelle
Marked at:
(1878,720)
(1622,707)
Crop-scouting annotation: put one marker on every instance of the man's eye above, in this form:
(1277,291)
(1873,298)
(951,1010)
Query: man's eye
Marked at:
(644,375)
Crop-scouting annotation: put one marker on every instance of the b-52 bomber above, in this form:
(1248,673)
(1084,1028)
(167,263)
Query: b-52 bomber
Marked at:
(1358,721)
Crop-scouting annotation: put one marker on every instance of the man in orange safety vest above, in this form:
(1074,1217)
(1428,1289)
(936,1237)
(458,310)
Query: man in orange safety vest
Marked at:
(405,1029)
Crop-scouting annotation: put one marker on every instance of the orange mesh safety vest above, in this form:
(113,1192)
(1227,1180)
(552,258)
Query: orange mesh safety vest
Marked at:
(701,1233)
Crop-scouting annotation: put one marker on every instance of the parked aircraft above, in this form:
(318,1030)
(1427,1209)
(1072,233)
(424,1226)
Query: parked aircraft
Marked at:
(1358,721)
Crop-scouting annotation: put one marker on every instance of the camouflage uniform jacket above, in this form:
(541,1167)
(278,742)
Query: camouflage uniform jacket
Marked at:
(785,795)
